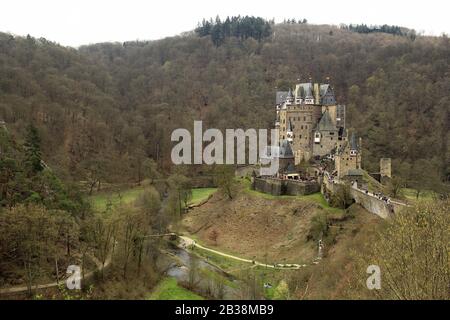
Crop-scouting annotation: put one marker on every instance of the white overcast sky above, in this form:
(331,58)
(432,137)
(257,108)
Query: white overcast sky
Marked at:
(77,22)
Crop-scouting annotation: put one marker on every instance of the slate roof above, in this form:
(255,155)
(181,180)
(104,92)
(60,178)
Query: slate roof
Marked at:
(289,95)
(304,90)
(353,143)
(283,151)
(354,172)
(286,150)
(326,123)
(324,89)
(271,152)
(290,168)
(281,97)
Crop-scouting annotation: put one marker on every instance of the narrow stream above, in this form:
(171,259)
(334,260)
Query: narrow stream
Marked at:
(180,270)
(178,261)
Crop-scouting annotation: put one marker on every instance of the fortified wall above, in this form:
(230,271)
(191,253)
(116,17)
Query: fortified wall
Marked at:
(278,187)
(367,201)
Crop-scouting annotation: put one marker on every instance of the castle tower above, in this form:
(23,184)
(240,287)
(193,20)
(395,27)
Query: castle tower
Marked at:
(348,158)
(385,168)
(299,112)
(290,97)
(353,146)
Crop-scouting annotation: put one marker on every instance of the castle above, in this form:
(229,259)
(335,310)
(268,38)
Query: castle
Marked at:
(312,123)
(310,119)
(311,128)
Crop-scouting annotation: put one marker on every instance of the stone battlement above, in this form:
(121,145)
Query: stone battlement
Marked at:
(278,187)
(367,200)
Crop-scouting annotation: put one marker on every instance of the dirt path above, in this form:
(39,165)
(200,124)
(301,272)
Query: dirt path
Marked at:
(186,242)
(99,265)
(191,243)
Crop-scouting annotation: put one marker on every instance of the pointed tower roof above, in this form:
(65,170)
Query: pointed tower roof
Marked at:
(326,123)
(286,150)
(308,87)
(289,95)
(280,97)
(324,89)
(304,90)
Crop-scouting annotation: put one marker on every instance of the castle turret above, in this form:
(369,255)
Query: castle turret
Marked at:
(385,168)
(290,97)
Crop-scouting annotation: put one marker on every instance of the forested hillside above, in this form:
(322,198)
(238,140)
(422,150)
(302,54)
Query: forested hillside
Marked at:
(103,109)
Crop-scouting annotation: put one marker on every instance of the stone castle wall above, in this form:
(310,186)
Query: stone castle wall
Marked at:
(278,187)
(368,202)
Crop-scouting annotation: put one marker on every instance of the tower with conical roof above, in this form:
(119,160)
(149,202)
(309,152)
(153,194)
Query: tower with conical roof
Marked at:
(347,160)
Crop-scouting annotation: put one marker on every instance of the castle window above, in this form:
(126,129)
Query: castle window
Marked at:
(301,127)
(304,118)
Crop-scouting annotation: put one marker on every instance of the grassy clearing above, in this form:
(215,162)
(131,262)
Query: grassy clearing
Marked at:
(207,273)
(372,184)
(201,194)
(410,194)
(168,289)
(318,198)
(226,264)
(101,201)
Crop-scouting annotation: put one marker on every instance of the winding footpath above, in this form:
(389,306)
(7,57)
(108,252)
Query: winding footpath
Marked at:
(22,289)
(187,242)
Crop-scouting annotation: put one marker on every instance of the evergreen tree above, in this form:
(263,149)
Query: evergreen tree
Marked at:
(32,147)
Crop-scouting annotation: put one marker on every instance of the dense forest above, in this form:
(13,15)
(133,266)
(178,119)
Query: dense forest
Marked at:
(73,121)
(395,30)
(104,109)
(238,27)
